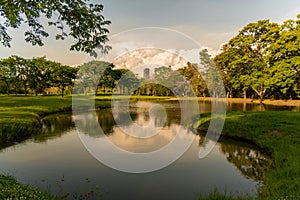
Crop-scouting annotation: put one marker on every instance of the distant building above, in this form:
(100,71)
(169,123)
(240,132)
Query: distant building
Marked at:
(146,73)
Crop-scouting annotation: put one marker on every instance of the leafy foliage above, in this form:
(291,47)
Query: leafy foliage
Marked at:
(34,75)
(91,74)
(263,59)
(77,19)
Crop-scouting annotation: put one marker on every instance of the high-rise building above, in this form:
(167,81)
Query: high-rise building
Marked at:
(146,73)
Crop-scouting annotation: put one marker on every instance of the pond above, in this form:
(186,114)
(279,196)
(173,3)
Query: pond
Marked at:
(57,161)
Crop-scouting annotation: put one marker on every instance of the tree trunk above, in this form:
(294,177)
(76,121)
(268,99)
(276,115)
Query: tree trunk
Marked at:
(62,92)
(7,88)
(228,94)
(261,95)
(261,98)
(96,91)
(25,88)
(245,94)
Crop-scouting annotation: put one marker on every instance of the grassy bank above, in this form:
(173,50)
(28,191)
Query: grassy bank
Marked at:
(20,116)
(11,189)
(278,133)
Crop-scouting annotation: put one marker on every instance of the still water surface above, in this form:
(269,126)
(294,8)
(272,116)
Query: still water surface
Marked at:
(57,161)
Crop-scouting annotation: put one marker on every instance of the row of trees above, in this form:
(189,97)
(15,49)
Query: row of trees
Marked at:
(96,76)
(22,76)
(263,60)
(37,75)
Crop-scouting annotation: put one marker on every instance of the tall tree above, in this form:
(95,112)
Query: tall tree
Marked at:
(23,72)
(129,81)
(63,77)
(285,57)
(108,79)
(191,73)
(41,71)
(223,63)
(245,59)
(211,74)
(79,19)
(90,74)
(8,72)
(170,82)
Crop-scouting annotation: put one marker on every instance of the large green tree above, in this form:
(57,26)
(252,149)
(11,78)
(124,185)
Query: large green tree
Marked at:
(244,60)
(91,74)
(264,59)
(63,77)
(191,73)
(285,57)
(108,79)
(40,76)
(79,19)
(23,72)
(211,75)
(8,73)
(128,80)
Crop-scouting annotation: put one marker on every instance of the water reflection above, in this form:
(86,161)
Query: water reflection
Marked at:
(248,106)
(247,159)
(53,126)
(232,166)
(154,125)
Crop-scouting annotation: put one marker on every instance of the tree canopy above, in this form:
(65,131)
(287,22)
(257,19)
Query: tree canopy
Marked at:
(20,75)
(263,59)
(79,19)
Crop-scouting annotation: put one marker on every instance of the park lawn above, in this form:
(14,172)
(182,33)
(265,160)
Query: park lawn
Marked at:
(276,133)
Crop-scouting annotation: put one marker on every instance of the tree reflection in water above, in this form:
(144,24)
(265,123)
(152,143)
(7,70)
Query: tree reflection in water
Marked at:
(54,126)
(248,159)
(251,162)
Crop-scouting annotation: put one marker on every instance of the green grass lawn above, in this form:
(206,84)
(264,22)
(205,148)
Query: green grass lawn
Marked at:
(277,132)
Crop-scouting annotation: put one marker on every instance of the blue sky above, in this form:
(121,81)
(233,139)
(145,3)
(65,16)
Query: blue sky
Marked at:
(209,22)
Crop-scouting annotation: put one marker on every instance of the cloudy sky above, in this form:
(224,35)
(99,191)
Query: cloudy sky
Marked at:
(209,23)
